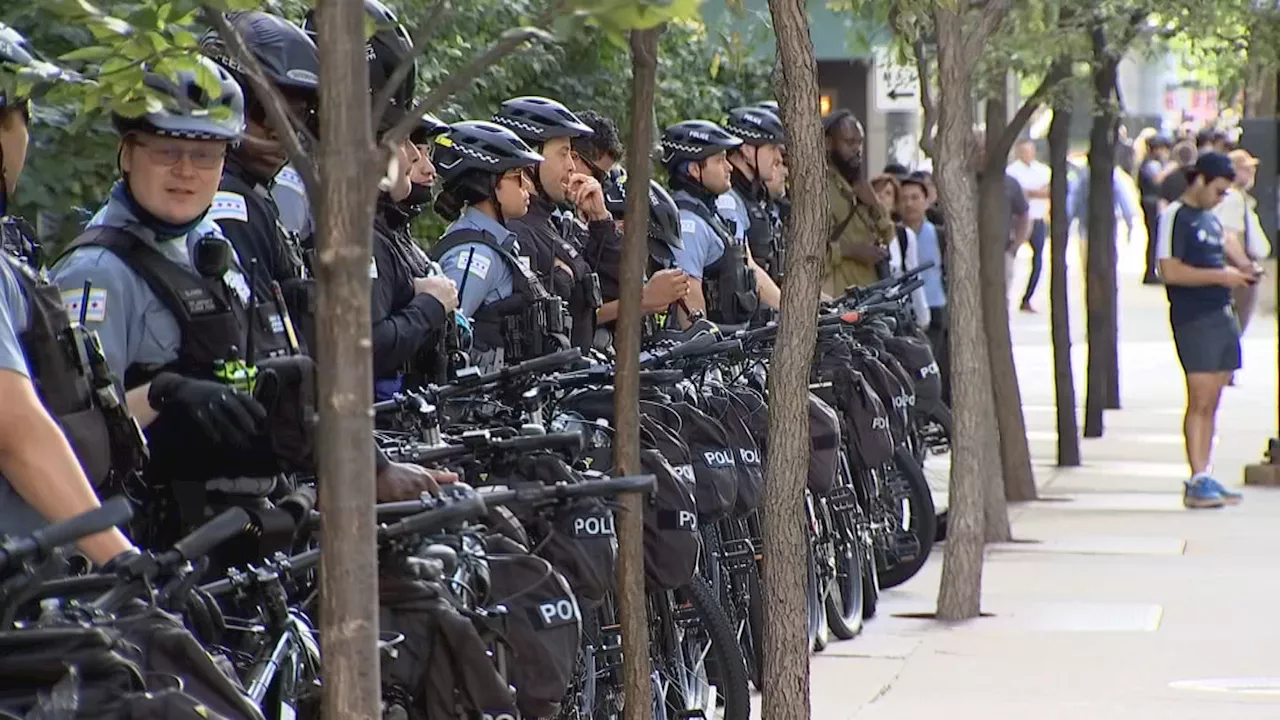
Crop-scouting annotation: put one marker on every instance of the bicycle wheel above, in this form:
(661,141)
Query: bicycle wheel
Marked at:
(700,661)
(905,495)
(845,599)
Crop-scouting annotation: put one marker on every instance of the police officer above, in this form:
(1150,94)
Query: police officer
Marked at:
(412,301)
(180,320)
(561,193)
(42,479)
(755,165)
(725,283)
(243,207)
(484,169)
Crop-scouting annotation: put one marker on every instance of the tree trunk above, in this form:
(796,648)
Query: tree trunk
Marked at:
(786,650)
(1018,482)
(1100,280)
(1064,381)
(632,606)
(348,184)
(961,38)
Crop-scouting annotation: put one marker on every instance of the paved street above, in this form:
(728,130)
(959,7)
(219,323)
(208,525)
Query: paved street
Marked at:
(1115,602)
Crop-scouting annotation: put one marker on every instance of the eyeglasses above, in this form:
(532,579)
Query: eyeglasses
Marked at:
(169,155)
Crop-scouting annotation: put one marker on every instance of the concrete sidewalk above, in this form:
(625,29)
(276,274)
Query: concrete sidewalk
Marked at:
(1115,602)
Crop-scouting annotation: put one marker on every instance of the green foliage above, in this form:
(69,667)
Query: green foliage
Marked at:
(72,162)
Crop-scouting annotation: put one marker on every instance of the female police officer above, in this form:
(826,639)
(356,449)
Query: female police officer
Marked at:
(485,172)
(40,477)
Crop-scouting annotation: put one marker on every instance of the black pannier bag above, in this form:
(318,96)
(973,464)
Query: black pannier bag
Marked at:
(916,356)
(78,673)
(580,542)
(443,662)
(712,456)
(543,625)
(863,418)
(734,415)
(888,388)
(824,446)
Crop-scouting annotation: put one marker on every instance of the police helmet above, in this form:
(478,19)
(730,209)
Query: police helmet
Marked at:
(429,128)
(389,46)
(614,188)
(288,56)
(695,140)
(191,116)
(537,120)
(756,126)
(770,105)
(664,215)
(474,154)
(17,54)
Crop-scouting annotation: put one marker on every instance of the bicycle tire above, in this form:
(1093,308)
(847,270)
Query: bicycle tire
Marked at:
(845,600)
(923,520)
(731,667)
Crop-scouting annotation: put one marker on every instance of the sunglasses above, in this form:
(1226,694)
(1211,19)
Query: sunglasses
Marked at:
(170,154)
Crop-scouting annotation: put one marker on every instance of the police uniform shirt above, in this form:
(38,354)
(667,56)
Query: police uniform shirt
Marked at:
(248,218)
(733,209)
(702,246)
(481,276)
(16,516)
(403,321)
(290,195)
(135,326)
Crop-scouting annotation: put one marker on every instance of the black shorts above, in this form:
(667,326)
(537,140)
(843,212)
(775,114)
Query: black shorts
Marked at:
(1209,343)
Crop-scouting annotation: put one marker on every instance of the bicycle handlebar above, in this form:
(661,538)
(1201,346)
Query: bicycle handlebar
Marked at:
(114,512)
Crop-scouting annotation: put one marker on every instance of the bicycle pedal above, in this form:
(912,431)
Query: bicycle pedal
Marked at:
(843,499)
(736,549)
(906,547)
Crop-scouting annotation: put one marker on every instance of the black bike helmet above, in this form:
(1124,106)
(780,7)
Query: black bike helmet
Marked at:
(385,50)
(474,154)
(16,54)
(429,128)
(756,126)
(188,115)
(537,120)
(664,215)
(694,140)
(614,188)
(771,106)
(288,56)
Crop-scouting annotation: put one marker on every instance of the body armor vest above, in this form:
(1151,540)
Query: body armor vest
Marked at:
(214,324)
(528,324)
(585,296)
(728,284)
(71,378)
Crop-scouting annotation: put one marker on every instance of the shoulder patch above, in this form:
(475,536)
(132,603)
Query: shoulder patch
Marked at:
(688,226)
(725,202)
(228,206)
(94,311)
(474,263)
(288,177)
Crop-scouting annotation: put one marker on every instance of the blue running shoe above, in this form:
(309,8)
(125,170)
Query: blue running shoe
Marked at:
(1196,493)
(1230,497)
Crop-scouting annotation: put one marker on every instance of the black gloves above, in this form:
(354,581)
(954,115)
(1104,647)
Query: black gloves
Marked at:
(223,414)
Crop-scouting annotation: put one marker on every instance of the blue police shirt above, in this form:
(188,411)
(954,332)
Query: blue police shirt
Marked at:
(291,199)
(733,209)
(134,325)
(1194,236)
(481,275)
(928,248)
(702,246)
(16,516)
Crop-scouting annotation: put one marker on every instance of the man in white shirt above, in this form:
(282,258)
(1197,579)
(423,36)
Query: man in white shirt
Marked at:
(1239,217)
(1033,176)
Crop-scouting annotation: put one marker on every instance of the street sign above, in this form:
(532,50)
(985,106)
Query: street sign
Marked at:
(897,87)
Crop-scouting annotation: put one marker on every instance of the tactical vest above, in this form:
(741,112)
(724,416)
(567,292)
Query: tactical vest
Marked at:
(728,284)
(61,373)
(585,298)
(214,323)
(528,324)
(778,262)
